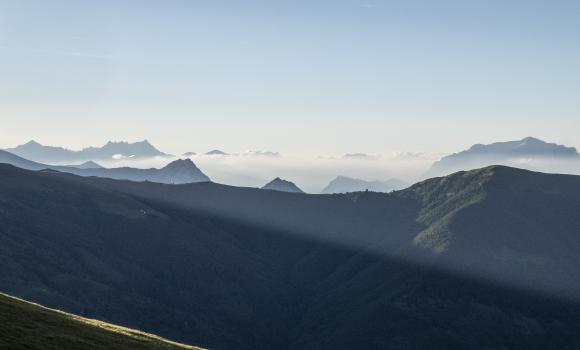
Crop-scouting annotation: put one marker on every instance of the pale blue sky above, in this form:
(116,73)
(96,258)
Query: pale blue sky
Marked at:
(291,76)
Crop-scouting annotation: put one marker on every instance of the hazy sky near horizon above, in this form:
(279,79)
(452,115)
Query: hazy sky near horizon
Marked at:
(319,77)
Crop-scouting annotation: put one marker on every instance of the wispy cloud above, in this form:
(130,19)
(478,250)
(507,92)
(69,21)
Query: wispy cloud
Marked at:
(60,53)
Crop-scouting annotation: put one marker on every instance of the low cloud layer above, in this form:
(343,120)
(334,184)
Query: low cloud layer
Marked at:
(311,173)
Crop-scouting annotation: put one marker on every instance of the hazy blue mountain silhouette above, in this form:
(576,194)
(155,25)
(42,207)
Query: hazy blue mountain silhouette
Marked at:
(479,259)
(87,165)
(176,172)
(12,159)
(181,171)
(358,156)
(511,153)
(57,155)
(344,184)
(216,152)
(279,184)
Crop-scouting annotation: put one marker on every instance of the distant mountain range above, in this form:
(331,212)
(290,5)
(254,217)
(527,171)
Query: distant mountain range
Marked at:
(522,153)
(480,259)
(216,152)
(112,150)
(529,153)
(176,172)
(358,156)
(279,184)
(344,184)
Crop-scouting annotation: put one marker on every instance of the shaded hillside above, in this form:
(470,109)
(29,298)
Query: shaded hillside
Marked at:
(24,325)
(228,267)
(505,224)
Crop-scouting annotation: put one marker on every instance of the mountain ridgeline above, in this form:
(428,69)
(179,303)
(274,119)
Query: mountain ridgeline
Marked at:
(177,172)
(479,259)
(34,151)
(344,184)
(281,185)
(530,153)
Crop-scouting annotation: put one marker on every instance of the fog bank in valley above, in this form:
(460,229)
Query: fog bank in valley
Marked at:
(309,172)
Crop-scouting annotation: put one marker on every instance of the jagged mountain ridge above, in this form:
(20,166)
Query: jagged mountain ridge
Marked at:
(34,151)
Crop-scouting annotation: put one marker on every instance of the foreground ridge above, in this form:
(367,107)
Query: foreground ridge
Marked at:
(26,325)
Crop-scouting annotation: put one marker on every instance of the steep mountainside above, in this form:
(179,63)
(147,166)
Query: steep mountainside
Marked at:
(504,223)
(479,259)
(24,325)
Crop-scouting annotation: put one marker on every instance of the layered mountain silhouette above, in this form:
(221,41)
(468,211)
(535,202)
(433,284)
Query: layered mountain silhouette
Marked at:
(344,184)
(479,259)
(530,153)
(112,150)
(176,172)
(12,159)
(279,184)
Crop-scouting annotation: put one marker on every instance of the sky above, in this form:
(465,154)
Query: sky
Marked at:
(302,77)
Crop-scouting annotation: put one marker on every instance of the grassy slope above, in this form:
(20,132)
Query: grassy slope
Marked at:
(25,325)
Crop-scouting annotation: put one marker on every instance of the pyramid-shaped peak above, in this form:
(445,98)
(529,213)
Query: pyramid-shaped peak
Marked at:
(282,185)
(531,139)
(181,163)
(89,165)
(32,143)
(182,171)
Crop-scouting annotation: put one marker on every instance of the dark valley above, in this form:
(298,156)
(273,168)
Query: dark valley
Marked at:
(484,258)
